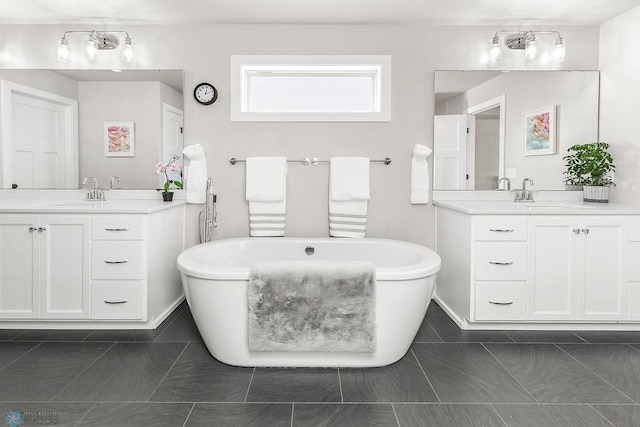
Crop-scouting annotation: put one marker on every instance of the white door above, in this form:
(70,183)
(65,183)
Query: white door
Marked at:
(39,138)
(172,136)
(604,269)
(65,267)
(451,164)
(552,280)
(19,273)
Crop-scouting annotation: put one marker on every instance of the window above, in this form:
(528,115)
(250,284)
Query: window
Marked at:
(311,88)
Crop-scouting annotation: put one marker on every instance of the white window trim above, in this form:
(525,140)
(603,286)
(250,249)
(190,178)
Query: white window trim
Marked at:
(379,65)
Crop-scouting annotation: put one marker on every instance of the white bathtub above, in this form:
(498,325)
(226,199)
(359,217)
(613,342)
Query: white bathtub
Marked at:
(215,277)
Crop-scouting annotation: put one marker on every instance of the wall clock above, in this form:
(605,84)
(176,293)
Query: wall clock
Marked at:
(205,93)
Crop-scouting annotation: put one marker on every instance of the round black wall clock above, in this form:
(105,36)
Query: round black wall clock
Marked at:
(205,93)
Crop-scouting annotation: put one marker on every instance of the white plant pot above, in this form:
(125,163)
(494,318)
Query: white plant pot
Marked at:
(594,193)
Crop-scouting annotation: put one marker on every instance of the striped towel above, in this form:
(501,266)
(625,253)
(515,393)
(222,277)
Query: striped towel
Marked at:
(349,196)
(266,193)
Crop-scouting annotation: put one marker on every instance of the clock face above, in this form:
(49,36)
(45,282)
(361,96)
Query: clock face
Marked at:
(205,93)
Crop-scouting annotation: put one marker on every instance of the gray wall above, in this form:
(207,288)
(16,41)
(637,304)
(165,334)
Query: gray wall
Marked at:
(204,53)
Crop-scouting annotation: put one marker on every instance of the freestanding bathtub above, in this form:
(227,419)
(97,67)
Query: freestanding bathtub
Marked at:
(215,279)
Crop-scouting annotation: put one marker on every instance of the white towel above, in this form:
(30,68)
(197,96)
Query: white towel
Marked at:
(348,196)
(419,193)
(266,190)
(196,175)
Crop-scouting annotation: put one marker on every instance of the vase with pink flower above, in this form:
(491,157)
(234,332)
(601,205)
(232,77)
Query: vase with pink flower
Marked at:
(174,168)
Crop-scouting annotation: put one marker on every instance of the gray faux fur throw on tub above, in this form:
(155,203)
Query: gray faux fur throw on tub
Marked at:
(312,306)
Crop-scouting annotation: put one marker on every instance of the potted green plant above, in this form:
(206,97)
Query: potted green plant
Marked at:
(163,168)
(591,166)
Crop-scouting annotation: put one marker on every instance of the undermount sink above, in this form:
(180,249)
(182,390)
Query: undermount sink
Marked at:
(549,207)
(85,204)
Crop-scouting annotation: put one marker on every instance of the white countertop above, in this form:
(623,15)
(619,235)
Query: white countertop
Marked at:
(571,207)
(75,202)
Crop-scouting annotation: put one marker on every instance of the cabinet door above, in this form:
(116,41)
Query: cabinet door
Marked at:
(19,296)
(603,271)
(552,265)
(65,267)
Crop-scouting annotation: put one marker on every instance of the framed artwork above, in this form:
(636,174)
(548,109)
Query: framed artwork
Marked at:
(540,132)
(119,139)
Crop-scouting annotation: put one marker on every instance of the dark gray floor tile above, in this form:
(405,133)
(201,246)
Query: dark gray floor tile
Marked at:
(339,415)
(610,337)
(198,377)
(446,414)
(551,376)
(294,385)
(137,414)
(466,372)
(47,369)
(403,381)
(47,413)
(618,364)
(182,328)
(123,335)
(10,351)
(54,335)
(550,415)
(426,333)
(7,334)
(620,415)
(128,372)
(448,331)
(544,337)
(240,415)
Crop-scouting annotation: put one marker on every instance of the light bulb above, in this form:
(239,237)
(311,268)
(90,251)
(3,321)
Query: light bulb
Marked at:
(127,50)
(559,50)
(63,50)
(531,50)
(91,51)
(495,53)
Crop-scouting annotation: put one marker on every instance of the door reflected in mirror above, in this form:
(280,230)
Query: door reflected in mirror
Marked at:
(479,125)
(53,123)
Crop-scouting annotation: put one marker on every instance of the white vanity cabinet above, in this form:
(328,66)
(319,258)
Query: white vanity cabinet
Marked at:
(44,266)
(93,266)
(578,268)
(538,270)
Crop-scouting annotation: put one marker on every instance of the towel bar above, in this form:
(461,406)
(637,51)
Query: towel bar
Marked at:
(313,161)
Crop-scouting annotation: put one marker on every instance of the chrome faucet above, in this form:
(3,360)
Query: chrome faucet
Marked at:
(524,195)
(507,186)
(91,192)
(113,181)
(94,193)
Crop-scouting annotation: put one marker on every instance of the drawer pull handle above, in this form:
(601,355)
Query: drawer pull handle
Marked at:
(124,301)
(501,263)
(116,229)
(500,303)
(501,230)
(116,262)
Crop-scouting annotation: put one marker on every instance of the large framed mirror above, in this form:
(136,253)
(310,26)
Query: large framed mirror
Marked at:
(480,126)
(56,126)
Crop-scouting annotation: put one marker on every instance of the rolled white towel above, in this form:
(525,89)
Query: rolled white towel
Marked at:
(196,175)
(419,192)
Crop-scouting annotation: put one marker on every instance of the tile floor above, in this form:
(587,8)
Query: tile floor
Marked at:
(449,377)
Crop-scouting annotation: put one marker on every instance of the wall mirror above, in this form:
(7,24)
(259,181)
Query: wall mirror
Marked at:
(516,124)
(58,126)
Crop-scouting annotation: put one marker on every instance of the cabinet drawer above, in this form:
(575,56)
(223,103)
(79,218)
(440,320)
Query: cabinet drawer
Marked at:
(116,227)
(116,300)
(116,260)
(501,261)
(501,228)
(500,301)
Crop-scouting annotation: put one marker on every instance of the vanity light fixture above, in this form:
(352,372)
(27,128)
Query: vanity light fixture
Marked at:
(95,42)
(527,41)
